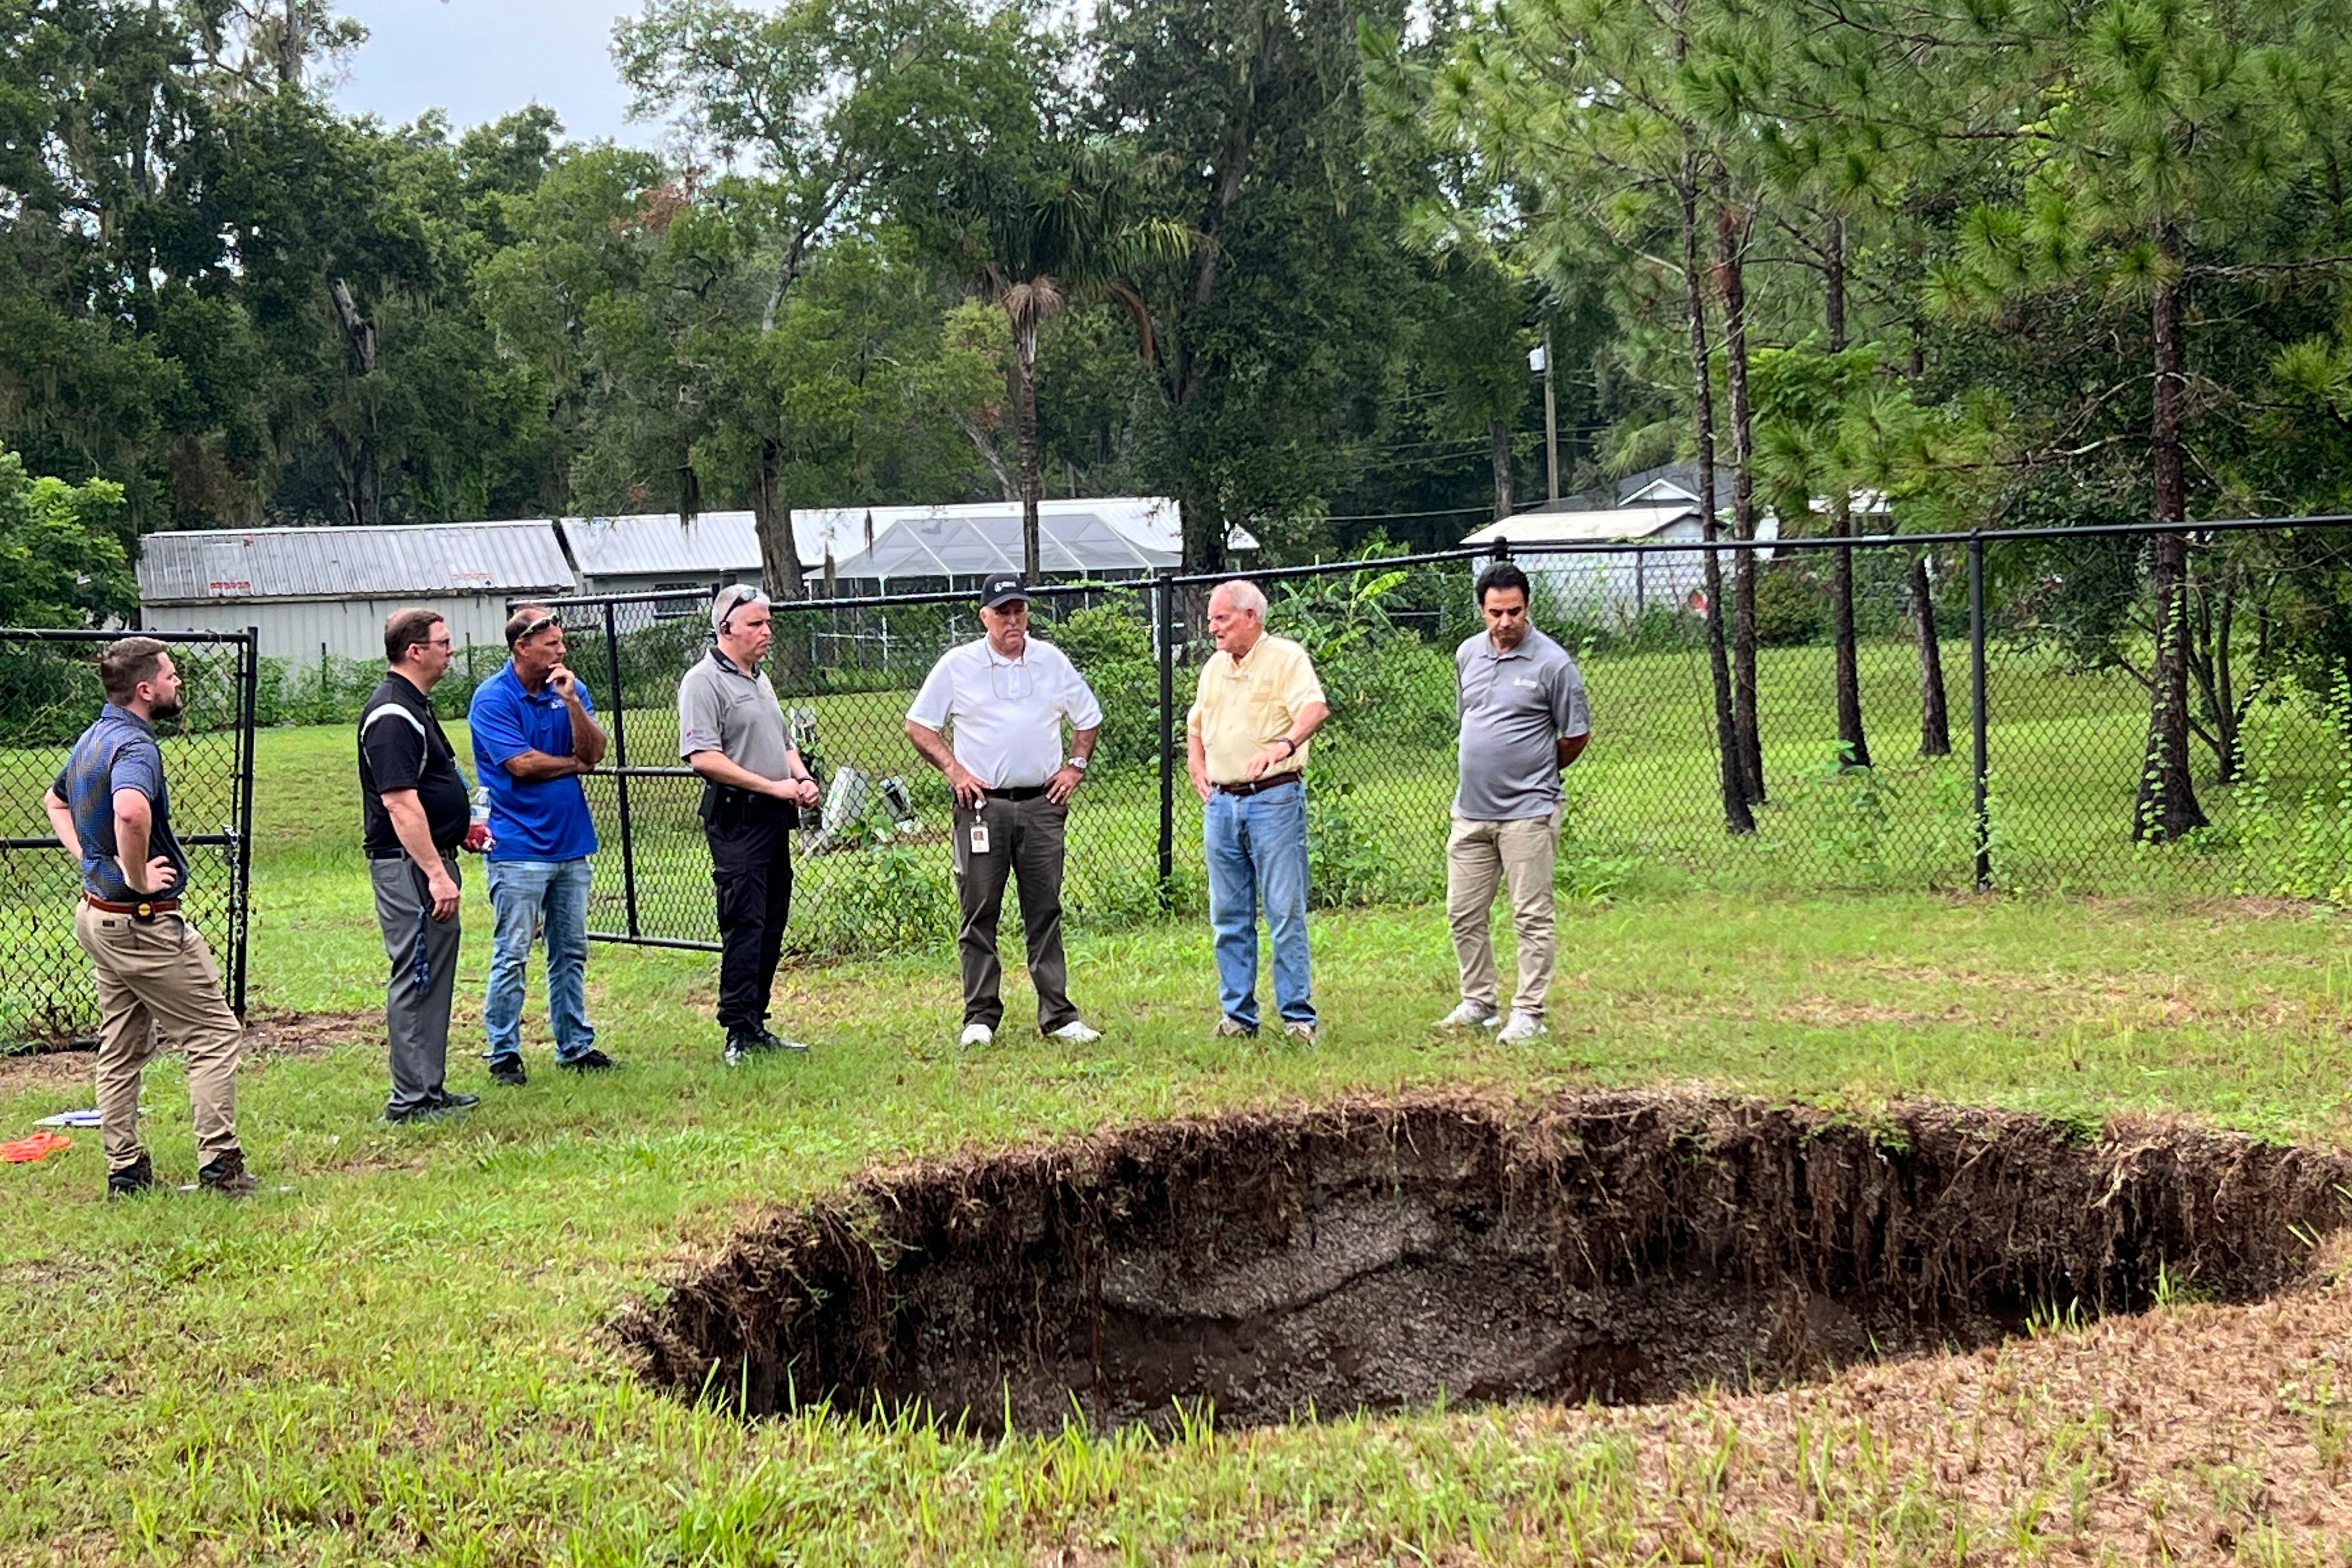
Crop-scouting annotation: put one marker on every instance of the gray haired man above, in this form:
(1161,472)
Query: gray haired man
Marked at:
(731,732)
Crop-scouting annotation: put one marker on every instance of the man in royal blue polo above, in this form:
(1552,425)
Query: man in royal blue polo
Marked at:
(534,735)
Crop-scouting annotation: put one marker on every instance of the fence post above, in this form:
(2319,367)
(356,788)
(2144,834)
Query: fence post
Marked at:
(240,895)
(621,765)
(1164,589)
(1977,706)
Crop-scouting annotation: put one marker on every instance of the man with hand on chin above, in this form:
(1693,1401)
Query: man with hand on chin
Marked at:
(535,734)
(731,732)
(1006,695)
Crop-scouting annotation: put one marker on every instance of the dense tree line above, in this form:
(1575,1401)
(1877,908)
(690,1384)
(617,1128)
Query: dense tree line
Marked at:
(1991,261)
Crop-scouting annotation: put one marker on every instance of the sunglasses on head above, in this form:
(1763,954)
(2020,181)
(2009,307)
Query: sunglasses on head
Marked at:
(539,626)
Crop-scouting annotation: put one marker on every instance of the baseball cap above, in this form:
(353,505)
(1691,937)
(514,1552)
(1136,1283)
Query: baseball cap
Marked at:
(996,590)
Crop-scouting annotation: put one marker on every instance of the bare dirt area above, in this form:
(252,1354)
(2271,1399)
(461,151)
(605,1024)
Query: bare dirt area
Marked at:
(1624,1248)
(266,1034)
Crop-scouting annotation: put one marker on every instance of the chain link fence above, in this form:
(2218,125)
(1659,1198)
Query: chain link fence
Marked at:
(2001,682)
(48,694)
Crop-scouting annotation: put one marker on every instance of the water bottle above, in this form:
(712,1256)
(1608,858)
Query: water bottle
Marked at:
(478,823)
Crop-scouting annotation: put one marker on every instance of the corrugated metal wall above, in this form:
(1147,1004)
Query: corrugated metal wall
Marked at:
(296,628)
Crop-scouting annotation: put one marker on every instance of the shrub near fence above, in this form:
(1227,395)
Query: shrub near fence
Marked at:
(2058,675)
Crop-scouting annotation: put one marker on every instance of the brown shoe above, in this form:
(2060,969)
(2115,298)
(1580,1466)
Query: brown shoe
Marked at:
(228,1176)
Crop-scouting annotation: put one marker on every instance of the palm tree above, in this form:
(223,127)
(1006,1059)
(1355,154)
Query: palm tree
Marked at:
(1063,222)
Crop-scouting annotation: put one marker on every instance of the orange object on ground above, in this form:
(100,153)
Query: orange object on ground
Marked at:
(25,1151)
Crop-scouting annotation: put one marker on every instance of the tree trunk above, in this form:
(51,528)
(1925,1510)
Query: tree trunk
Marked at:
(2166,806)
(1731,244)
(1935,722)
(1737,817)
(1024,411)
(779,563)
(1506,472)
(1852,744)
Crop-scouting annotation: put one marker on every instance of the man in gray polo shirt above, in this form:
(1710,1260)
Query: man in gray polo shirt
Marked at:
(1521,703)
(731,732)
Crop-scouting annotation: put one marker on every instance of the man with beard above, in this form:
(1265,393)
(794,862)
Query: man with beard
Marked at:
(113,813)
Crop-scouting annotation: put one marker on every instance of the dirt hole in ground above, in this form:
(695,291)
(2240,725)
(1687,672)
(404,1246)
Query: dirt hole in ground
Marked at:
(1623,1247)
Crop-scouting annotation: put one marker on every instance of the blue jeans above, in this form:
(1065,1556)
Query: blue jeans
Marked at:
(1256,848)
(552,894)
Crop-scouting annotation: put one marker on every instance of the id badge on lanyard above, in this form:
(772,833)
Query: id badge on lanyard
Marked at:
(979,830)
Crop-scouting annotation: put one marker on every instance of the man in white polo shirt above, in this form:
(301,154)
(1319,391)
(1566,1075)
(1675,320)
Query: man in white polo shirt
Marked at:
(1007,696)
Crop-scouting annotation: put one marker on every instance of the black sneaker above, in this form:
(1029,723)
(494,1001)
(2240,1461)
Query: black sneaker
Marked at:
(426,1110)
(590,1060)
(509,1071)
(228,1176)
(743,1045)
(771,1040)
(137,1177)
(445,1101)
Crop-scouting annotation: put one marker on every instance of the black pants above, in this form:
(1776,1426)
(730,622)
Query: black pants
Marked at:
(1025,845)
(751,865)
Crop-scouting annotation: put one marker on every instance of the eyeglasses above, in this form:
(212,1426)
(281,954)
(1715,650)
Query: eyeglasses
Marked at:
(438,642)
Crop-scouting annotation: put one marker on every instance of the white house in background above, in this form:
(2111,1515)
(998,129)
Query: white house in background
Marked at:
(653,552)
(1612,586)
(314,590)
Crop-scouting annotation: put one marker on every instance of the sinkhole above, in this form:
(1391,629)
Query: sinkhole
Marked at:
(1622,1248)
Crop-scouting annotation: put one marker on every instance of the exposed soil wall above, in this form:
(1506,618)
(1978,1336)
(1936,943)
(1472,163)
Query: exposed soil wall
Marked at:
(1614,1247)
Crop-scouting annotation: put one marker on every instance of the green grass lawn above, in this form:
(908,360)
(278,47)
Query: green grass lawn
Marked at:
(395,1353)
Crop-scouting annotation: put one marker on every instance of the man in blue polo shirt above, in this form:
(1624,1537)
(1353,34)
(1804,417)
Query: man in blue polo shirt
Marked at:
(534,735)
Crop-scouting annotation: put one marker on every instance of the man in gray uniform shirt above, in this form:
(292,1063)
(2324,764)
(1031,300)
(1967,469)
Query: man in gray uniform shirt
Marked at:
(1523,717)
(731,732)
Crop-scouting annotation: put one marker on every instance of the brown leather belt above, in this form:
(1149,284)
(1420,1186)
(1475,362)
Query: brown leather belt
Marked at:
(1259,786)
(145,909)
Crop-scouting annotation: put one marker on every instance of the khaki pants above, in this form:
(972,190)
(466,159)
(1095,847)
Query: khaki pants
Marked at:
(157,975)
(1479,855)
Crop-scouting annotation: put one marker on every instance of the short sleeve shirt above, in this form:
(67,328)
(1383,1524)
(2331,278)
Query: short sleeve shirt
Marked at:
(1514,708)
(118,751)
(726,708)
(1007,713)
(402,746)
(1243,707)
(538,819)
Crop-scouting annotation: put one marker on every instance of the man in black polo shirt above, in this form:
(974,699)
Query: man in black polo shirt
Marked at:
(417,819)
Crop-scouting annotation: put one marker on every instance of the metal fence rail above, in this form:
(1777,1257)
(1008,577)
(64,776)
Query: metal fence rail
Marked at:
(48,694)
(2003,680)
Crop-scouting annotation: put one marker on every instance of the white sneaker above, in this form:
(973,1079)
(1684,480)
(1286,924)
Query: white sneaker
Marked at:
(1077,1033)
(1519,1029)
(1469,1015)
(976,1034)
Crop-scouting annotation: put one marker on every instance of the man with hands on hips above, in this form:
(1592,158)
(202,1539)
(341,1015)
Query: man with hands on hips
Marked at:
(1006,695)
(731,732)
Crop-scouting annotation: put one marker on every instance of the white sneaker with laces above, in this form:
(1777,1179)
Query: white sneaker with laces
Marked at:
(1469,1015)
(1077,1033)
(1519,1029)
(976,1034)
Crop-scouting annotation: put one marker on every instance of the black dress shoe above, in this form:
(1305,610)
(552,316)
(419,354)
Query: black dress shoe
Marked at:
(137,1177)
(447,1101)
(509,1071)
(590,1060)
(423,1110)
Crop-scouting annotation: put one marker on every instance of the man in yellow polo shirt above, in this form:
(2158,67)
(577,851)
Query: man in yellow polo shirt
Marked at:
(1246,734)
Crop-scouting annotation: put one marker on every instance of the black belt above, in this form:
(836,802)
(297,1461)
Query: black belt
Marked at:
(1027,792)
(402,853)
(1259,786)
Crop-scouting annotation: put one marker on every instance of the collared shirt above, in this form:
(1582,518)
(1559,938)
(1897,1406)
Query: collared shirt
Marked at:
(1007,712)
(402,746)
(1515,707)
(118,751)
(724,708)
(1243,707)
(538,819)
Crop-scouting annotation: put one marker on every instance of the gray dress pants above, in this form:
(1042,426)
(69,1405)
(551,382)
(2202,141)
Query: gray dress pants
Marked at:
(423,954)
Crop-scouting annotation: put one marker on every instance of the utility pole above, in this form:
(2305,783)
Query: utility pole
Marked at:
(1540,359)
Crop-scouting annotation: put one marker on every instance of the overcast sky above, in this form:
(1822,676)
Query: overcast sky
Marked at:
(478,60)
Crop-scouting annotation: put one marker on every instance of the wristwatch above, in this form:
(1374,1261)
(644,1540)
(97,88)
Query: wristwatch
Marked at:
(1079,764)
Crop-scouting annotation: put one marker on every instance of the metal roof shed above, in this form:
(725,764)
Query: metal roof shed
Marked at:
(956,549)
(329,589)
